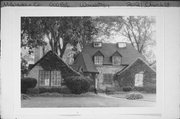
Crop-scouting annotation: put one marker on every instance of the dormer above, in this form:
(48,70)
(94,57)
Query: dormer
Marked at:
(121,45)
(98,58)
(116,58)
(97,44)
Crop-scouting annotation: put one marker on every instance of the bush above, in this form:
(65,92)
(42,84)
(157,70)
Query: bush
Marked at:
(150,88)
(63,90)
(24,97)
(134,96)
(127,89)
(78,84)
(138,89)
(27,83)
(33,91)
(110,90)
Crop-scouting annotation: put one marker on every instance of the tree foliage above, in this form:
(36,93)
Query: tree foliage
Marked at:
(139,31)
(59,31)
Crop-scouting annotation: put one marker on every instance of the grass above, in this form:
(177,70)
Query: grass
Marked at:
(90,100)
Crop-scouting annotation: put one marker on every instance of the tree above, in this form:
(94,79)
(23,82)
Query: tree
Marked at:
(24,67)
(139,31)
(59,31)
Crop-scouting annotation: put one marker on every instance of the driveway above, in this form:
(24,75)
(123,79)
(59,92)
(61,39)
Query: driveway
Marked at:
(93,100)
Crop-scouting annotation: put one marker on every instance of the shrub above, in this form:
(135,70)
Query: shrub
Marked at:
(134,96)
(151,88)
(138,89)
(78,84)
(127,89)
(24,97)
(63,90)
(27,83)
(33,91)
(110,90)
(47,94)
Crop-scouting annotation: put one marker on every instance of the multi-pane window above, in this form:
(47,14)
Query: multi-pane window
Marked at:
(116,60)
(98,60)
(50,78)
(139,80)
(108,78)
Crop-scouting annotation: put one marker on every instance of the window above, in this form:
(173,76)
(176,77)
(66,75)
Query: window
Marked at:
(50,78)
(116,60)
(107,78)
(121,45)
(139,80)
(97,44)
(98,60)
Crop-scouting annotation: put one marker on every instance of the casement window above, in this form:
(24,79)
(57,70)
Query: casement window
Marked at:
(139,80)
(107,78)
(98,60)
(50,78)
(116,60)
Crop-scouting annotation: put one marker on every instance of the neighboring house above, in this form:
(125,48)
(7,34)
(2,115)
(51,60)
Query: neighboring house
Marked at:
(50,70)
(102,60)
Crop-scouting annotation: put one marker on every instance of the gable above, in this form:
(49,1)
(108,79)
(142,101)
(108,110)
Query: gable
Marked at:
(138,63)
(98,53)
(50,61)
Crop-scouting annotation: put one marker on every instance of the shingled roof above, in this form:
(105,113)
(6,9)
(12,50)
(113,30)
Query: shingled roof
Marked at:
(84,61)
(50,61)
(128,54)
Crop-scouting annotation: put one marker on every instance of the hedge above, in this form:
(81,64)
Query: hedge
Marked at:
(27,83)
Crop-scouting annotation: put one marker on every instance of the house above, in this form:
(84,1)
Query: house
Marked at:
(138,74)
(102,61)
(50,70)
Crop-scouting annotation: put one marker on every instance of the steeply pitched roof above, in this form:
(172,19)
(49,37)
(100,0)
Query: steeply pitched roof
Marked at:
(85,62)
(137,60)
(129,54)
(50,61)
(116,54)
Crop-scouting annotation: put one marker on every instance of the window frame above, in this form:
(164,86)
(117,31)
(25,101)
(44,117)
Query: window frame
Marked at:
(137,75)
(113,60)
(97,60)
(110,78)
(50,75)
(97,44)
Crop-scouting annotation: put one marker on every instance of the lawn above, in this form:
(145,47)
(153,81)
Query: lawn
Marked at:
(90,100)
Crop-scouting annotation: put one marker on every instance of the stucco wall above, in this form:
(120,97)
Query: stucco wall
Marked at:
(103,70)
(34,73)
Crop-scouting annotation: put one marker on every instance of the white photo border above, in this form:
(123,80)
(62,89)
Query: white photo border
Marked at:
(11,25)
